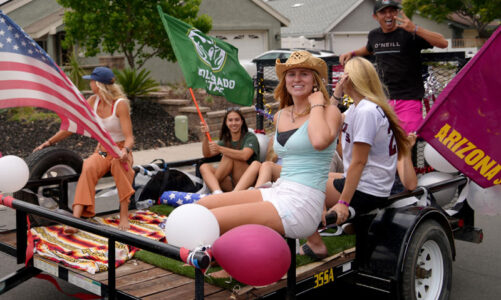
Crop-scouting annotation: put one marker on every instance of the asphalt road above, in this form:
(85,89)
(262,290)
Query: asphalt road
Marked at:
(476,271)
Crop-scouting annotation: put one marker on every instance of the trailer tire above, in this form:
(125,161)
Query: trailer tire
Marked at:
(427,271)
(46,163)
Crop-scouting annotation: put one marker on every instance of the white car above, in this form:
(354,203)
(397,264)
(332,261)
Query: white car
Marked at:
(250,65)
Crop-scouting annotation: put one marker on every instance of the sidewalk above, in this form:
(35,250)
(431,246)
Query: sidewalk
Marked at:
(169,154)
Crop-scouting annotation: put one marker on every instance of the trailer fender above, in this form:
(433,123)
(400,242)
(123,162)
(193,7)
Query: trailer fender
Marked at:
(381,250)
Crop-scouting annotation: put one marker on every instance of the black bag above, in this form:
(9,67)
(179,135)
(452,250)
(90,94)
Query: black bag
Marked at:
(166,179)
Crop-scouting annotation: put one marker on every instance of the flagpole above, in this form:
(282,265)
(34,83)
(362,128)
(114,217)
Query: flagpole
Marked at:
(199,113)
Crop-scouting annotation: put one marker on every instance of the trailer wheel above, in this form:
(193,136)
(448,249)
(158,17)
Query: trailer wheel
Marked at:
(427,272)
(46,163)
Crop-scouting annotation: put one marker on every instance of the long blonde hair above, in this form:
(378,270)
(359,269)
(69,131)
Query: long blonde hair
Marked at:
(285,98)
(111,92)
(365,81)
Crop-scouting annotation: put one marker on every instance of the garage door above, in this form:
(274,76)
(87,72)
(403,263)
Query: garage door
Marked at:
(249,43)
(343,43)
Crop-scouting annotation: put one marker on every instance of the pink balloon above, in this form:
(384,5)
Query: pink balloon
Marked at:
(253,254)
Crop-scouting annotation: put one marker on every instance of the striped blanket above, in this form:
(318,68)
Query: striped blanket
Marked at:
(89,252)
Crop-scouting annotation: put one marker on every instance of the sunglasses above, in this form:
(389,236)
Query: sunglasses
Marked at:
(234,108)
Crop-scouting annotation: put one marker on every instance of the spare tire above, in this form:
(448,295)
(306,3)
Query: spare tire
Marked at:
(46,163)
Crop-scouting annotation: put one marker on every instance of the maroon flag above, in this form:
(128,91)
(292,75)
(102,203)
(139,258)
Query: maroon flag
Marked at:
(464,124)
(29,77)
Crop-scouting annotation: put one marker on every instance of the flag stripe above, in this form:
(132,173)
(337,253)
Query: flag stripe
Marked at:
(29,65)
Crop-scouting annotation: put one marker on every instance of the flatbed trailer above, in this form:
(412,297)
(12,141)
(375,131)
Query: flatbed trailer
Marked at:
(386,257)
(136,279)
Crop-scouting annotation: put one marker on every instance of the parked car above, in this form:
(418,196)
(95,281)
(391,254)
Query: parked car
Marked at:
(250,65)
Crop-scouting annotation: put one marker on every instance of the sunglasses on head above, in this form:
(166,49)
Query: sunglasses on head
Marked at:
(234,108)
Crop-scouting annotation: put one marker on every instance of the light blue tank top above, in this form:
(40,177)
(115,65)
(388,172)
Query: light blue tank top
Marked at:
(301,162)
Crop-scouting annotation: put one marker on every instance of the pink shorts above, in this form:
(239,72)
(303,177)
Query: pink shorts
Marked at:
(409,112)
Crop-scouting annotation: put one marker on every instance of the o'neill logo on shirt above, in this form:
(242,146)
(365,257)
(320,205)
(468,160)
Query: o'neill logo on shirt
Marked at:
(387,45)
(208,51)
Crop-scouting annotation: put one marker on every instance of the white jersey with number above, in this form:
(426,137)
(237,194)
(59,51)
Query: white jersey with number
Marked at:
(367,123)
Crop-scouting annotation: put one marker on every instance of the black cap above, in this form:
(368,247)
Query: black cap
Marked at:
(381,4)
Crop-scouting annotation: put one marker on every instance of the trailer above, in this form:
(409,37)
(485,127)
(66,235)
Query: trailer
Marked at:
(404,252)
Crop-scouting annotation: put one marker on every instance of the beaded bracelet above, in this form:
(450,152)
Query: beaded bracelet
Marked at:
(344,202)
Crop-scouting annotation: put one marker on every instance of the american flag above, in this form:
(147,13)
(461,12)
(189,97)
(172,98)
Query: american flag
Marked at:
(29,77)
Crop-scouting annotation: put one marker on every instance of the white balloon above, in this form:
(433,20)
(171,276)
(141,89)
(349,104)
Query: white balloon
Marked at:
(190,226)
(14,173)
(443,196)
(437,161)
(485,201)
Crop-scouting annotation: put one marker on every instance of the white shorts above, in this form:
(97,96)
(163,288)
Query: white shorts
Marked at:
(299,206)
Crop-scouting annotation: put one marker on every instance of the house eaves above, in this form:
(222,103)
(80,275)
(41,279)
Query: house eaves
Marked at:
(13,5)
(313,18)
(281,18)
(47,25)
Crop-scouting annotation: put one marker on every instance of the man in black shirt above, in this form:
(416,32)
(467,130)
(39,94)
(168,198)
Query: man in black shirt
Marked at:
(397,46)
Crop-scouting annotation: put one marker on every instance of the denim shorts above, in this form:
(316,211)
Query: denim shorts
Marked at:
(299,206)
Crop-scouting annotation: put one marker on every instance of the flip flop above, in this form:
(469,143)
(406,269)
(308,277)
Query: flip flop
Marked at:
(309,252)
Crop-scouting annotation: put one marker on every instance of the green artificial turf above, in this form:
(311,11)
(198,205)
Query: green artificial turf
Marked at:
(335,244)
(162,209)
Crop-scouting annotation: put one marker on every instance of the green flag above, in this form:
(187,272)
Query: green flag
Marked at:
(208,62)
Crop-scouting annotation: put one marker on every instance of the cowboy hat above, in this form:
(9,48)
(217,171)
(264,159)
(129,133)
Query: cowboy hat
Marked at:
(302,59)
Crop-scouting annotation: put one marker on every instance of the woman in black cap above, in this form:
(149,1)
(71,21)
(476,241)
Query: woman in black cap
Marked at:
(112,111)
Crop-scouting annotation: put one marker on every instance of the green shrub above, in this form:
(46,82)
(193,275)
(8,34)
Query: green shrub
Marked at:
(75,72)
(136,83)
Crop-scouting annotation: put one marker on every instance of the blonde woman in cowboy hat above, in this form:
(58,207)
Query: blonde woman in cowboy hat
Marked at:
(306,128)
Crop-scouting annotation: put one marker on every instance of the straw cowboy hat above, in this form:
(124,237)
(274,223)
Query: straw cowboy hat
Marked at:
(302,59)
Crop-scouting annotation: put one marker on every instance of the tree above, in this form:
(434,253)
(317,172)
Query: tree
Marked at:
(131,27)
(479,13)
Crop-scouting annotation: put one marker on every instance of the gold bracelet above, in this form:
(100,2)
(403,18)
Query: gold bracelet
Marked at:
(317,105)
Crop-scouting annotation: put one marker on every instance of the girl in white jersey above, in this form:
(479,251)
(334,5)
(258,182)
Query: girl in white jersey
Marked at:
(372,141)
(309,125)
(111,108)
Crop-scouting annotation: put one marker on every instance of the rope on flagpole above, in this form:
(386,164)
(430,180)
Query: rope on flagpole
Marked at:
(199,113)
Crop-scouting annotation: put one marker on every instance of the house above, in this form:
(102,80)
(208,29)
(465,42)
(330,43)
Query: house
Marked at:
(338,25)
(251,25)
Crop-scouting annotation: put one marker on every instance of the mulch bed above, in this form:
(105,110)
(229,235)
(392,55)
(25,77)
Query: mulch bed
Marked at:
(152,128)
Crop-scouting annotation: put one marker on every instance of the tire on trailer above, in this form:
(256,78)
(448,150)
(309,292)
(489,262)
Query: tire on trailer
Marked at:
(427,272)
(46,163)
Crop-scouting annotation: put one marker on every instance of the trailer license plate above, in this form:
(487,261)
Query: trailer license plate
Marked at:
(324,278)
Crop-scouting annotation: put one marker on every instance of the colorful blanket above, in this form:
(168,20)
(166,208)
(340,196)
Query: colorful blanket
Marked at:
(89,252)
